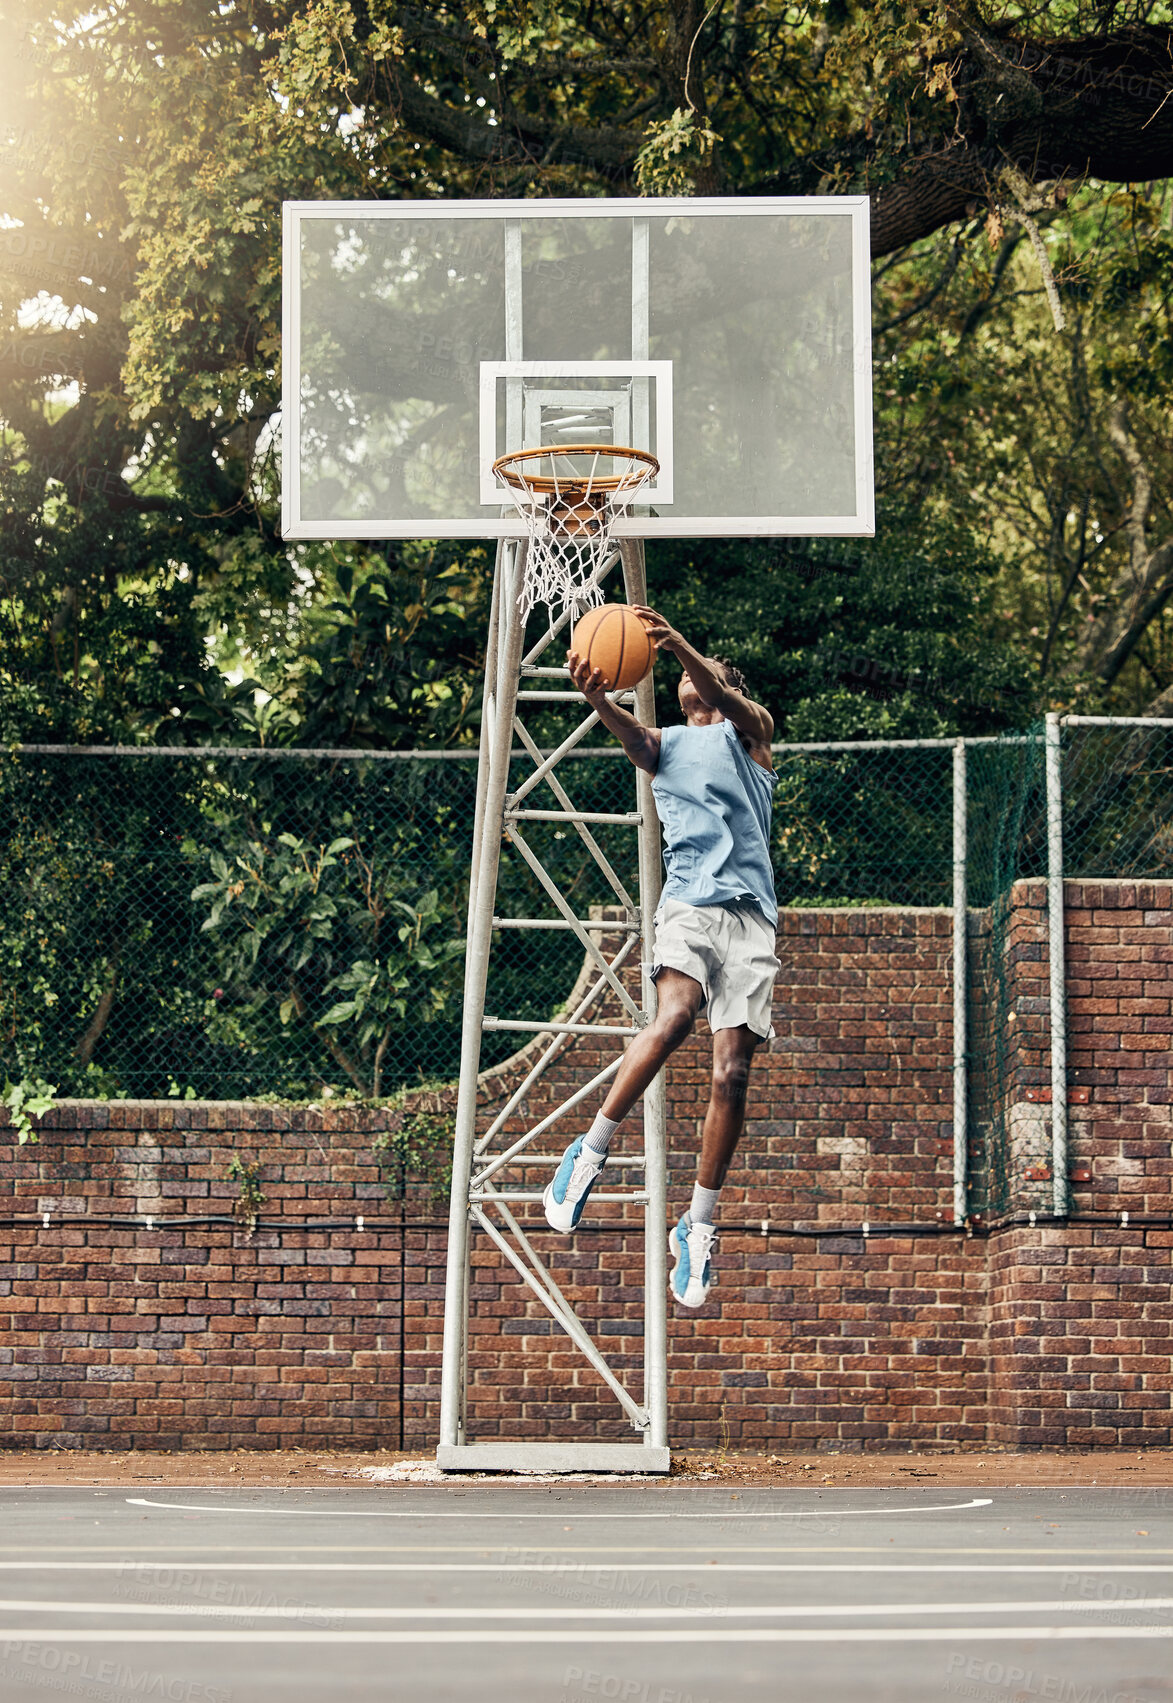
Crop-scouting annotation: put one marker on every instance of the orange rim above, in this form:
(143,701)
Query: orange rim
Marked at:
(574,485)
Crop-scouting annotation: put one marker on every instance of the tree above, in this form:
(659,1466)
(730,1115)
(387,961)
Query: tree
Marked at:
(884,638)
(1015,156)
(147,593)
(1050,441)
(140,280)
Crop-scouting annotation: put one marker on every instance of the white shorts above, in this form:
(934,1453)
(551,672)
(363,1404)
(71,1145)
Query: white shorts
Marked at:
(729,950)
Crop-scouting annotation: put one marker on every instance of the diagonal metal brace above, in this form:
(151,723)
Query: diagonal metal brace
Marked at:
(590,946)
(554,1051)
(519,1146)
(583,832)
(548,1293)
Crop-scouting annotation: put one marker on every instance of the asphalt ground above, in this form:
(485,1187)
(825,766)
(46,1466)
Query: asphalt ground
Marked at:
(562,1593)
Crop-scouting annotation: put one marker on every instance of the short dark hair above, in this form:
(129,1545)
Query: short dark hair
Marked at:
(733,674)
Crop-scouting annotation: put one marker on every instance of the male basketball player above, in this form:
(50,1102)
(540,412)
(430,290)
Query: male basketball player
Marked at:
(713,781)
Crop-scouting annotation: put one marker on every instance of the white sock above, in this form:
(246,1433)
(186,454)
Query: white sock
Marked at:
(704,1204)
(598,1137)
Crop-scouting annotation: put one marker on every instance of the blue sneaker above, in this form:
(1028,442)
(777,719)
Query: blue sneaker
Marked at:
(692,1275)
(567,1191)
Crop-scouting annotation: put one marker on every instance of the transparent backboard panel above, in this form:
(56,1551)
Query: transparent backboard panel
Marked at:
(395,312)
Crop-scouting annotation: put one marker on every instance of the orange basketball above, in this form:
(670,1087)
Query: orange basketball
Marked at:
(614,640)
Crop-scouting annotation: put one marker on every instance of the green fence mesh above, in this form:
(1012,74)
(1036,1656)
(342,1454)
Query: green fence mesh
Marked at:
(238,924)
(866,826)
(234,925)
(1006,837)
(1118,801)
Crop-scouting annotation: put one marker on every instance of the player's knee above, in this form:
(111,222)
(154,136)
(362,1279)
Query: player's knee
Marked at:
(731,1080)
(675,1025)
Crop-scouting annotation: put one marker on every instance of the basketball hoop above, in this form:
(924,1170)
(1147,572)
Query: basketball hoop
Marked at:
(569,500)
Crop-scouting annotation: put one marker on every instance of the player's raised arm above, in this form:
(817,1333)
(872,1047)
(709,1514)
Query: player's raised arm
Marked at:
(642,744)
(708,676)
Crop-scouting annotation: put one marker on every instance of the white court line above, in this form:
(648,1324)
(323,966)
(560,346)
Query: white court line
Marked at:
(563,1514)
(133,1569)
(136,1550)
(1085,1555)
(602,1635)
(766,1611)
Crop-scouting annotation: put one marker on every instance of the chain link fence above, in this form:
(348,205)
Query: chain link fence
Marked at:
(234,924)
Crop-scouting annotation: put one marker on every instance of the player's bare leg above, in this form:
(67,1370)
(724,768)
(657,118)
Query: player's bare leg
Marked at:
(678,999)
(733,1051)
(693,1239)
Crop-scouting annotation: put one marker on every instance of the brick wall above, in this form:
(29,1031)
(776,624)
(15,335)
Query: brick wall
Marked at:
(318,1328)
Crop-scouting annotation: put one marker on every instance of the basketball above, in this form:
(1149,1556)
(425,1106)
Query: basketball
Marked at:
(614,640)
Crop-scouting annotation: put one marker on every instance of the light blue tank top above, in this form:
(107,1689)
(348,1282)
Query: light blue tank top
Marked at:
(714,803)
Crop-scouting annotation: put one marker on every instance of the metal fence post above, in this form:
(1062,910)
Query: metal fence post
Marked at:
(960,989)
(1057,953)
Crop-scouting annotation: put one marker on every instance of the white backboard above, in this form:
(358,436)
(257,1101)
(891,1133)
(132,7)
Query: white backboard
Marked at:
(731,338)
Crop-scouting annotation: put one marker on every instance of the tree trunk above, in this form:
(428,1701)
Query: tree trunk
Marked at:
(1091,107)
(84,1050)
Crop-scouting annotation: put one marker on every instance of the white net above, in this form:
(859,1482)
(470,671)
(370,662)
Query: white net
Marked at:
(569,500)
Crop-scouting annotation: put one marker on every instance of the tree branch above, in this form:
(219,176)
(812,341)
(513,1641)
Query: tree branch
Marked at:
(516,140)
(1142,490)
(1104,108)
(1143,588)
(929,296)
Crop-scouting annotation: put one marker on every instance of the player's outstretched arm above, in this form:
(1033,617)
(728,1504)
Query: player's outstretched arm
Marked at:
(753,720)
(642,744)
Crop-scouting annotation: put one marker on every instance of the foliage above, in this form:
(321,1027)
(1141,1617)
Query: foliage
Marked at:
(26,1100)
(250,1199)
(1053,446)
(110,986)
(385,655)
(1024,558)
(295,931)
(147,593)
(674,153)
(417,1143)
(884,638)
(91,863)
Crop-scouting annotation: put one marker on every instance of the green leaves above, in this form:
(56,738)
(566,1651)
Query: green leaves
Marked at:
(885,637)
(27,1099)
(300,923)
(674,150)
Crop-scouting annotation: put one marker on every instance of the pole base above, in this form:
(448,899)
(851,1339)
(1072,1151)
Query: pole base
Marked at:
(552,1457)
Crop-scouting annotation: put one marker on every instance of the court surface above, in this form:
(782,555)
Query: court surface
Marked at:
(561,1593)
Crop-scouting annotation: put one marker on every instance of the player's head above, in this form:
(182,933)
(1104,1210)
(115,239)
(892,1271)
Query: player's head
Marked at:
(688,695)
(733,675)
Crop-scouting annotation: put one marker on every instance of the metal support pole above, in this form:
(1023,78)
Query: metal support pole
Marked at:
(1057,946)
(502,1150)
(484,753)
(486,744)
(960,972)
(655,1099)
(486,858)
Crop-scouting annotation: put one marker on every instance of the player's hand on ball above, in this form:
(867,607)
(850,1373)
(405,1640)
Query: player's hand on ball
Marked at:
(589,681)
(661,632)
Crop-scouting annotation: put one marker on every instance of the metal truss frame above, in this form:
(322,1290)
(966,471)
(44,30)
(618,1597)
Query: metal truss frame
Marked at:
(486,1184)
